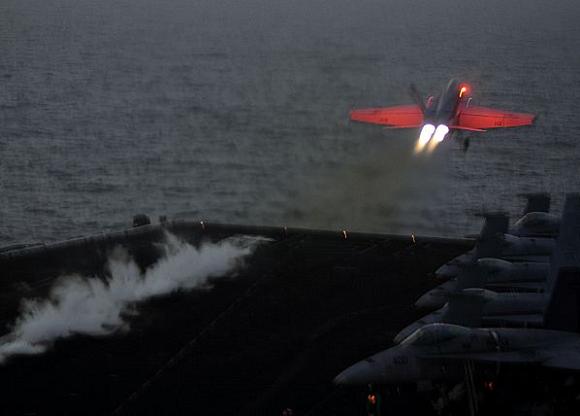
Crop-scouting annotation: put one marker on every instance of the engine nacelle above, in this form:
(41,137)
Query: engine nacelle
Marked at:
(502,271)
(512,245)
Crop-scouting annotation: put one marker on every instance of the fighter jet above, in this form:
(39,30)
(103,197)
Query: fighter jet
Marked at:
(489,273)
(439,115)
(439,350)
(498,274)
(476,307)
(485,307)
(535,222)
(522,273)
(500,245)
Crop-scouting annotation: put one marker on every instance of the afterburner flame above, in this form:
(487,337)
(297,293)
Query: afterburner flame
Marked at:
(440,133)
(424,137)
(438,136)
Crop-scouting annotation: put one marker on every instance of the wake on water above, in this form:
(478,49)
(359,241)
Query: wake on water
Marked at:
(97,307)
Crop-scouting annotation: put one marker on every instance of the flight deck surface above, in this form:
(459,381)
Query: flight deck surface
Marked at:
(305,305)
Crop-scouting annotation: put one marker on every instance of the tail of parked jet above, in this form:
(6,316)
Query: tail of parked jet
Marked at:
(563,309)
(466,307)
(488,244)
(537,202)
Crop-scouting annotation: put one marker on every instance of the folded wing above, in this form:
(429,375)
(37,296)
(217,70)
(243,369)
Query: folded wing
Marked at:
(402,116)
(510,357)
(481,118)
(565,360)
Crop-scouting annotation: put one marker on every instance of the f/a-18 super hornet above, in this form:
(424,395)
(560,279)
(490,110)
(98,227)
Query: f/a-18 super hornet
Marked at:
(482,267)
(439,350)
(439,115)
(464,300)
(528,240)
(520,265)
(489,273)
(521,273)
(477,307)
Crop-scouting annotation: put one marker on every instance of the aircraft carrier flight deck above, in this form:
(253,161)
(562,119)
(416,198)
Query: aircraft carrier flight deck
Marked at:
(269,339)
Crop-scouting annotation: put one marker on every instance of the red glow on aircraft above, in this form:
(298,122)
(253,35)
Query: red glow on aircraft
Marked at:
(452,109)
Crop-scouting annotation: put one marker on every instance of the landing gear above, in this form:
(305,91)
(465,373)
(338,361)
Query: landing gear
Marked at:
(373,407)
(464,140)
(465,144)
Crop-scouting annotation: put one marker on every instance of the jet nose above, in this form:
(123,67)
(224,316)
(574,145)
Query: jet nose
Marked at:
(341,379)
(405,332)
(359,373)
(448,271)
(431,300)
(391,366)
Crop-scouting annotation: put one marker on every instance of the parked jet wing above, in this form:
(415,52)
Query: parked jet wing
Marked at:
(568,359)
(513,357)
(563,357)
(465,309)
(475,117)
(402,116)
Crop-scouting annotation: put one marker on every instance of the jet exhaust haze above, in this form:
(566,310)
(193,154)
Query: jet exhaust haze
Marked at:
(386,187)
(97,307)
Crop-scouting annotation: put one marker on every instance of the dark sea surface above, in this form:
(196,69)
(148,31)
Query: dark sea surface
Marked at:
(236,111)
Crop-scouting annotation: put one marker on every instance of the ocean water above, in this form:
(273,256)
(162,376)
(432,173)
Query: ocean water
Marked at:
(236,111)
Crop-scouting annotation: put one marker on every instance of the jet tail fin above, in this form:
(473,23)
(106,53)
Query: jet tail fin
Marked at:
(471,277)
(537,202)
(563,308)
(416,96)
(465,308)
(488,244)
(562,312)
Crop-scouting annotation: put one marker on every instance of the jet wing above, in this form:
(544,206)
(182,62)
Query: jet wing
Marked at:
(514,357)
(465,308)
(402,116)
(522,286)
(563,357)
(564,360)
(481,118)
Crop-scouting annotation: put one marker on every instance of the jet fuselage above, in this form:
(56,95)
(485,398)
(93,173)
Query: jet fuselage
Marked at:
(438,351)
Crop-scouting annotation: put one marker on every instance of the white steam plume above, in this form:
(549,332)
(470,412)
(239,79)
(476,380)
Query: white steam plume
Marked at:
(93,306)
